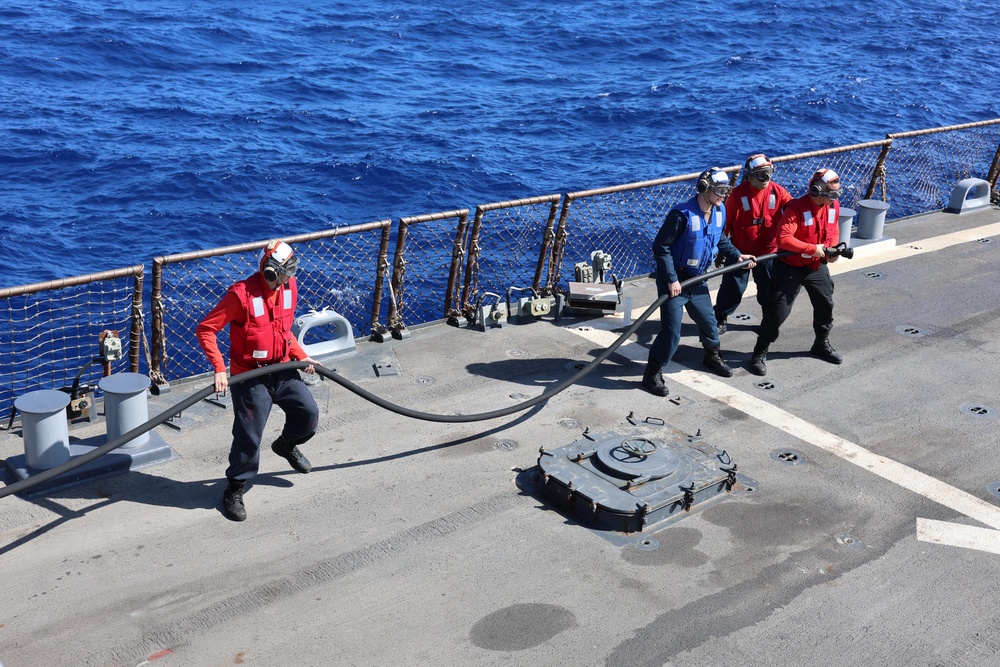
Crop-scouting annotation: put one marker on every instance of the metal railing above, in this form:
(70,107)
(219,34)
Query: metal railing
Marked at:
(621,220)
(508,232)
(50,331)
(442,264)
(913,171)
(916,171)
(346,273)
(427,249)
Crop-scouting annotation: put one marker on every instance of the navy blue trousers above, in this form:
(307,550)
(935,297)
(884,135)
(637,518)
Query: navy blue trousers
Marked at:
(252,401)
(735,284)
(698,302)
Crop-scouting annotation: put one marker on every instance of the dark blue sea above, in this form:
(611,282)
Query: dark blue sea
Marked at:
(135,129)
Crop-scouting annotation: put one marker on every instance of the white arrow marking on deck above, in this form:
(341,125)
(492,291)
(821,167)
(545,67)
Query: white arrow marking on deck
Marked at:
(928,530)
(958,535)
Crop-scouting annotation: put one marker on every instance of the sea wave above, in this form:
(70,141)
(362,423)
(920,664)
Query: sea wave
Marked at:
(134,130)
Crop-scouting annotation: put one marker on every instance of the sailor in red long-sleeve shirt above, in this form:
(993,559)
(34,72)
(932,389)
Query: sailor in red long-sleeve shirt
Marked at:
(259,311)
(752,212)
(808,225)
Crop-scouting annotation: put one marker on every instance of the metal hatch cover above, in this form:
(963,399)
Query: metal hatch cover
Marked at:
(636,457)
(637,477)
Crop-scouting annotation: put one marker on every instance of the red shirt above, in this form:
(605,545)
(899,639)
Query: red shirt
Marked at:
(751,215)
(277,307)
(805,225)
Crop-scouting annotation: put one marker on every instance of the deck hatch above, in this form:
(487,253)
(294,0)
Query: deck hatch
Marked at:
(637,477)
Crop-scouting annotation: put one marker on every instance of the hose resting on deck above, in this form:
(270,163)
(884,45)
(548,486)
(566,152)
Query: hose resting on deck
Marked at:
(164,416)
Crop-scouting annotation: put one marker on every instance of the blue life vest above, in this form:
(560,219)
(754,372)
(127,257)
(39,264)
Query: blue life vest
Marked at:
(695,249)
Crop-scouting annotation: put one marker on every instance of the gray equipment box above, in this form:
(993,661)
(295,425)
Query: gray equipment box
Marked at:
(593,296)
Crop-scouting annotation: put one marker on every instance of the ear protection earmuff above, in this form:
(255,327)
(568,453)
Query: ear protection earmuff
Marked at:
(702,184)
(270,271)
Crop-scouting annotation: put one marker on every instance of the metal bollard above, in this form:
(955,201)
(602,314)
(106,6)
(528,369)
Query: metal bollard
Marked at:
(125,405)
(846,223)
(871,218)
(44,427)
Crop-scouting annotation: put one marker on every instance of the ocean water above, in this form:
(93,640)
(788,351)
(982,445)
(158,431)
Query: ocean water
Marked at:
(135,129)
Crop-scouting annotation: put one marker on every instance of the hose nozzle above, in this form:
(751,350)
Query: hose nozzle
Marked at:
(839,250)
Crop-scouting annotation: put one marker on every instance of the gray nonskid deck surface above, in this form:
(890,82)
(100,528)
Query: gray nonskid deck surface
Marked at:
(417,543)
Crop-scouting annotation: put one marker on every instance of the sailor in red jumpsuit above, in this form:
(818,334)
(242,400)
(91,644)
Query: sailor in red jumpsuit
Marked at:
(752,212)
(808,225)
(259,311)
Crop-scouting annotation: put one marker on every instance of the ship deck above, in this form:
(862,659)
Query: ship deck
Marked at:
(870,536)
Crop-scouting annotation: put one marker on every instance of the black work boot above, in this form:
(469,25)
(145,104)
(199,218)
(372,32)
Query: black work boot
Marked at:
(291,453)
(757,363)
(652,380)
(715,362)
(232,501)
(822,349)
(722,326)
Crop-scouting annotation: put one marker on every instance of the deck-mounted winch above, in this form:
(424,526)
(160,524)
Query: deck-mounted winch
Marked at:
(638,476)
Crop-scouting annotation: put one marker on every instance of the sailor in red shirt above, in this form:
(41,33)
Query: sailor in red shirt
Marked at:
(259,311)
(807,226)
(752,212)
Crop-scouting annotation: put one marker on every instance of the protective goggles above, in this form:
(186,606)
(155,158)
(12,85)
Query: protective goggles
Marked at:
(719,190)
(290,267)
(287,269)
(762,173)
(827,192)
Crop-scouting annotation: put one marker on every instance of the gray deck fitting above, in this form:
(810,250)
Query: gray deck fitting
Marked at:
(155,450)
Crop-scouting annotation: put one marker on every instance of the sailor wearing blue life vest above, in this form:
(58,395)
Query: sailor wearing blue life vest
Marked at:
(685,247)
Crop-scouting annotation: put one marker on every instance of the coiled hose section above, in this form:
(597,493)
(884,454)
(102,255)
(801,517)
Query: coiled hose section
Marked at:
(201,394)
